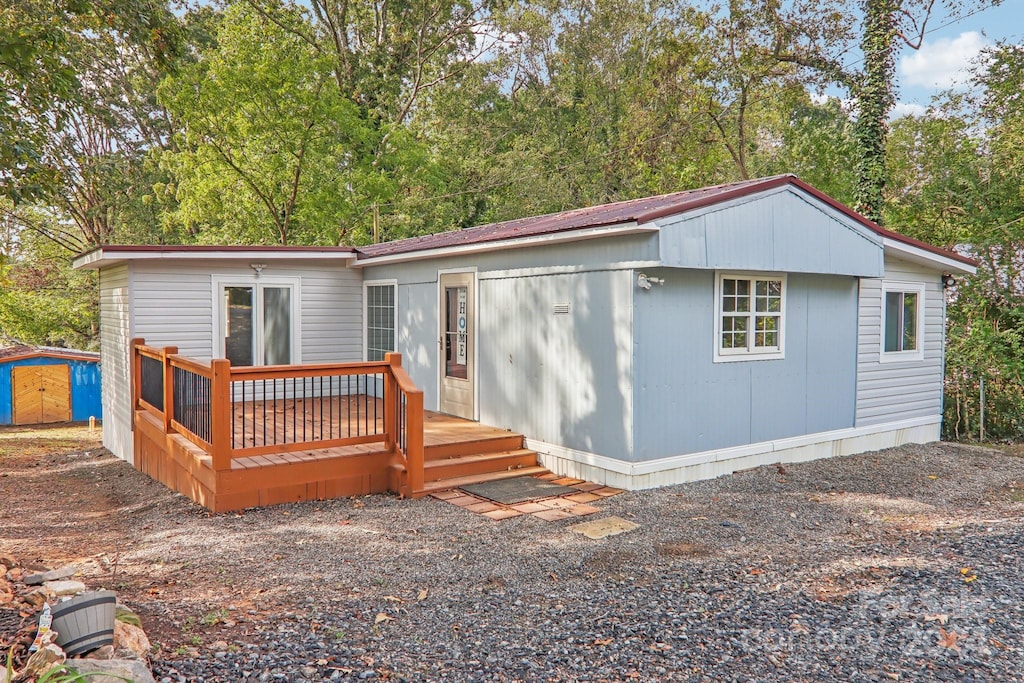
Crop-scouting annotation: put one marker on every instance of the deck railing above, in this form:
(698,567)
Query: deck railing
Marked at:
(234,412)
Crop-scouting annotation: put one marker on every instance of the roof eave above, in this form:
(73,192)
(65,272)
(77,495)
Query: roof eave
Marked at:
(107,256)
(927,257)
(576,235)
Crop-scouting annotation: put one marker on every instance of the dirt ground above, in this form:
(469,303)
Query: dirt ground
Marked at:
(64,499)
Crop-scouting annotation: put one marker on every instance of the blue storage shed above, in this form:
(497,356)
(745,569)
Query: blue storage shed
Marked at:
(45,384)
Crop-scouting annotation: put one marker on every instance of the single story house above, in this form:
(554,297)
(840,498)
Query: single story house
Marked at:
(639,344)
(40,384)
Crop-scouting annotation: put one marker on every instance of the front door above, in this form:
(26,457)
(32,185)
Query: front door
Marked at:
(458,352)
(42,393)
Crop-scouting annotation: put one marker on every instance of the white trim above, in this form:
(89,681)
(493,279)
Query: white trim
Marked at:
(927,258)
(916,354)
(366,314)
(294,284)
(566,270)
(102,258)
(690,466)
(630,228)
(721,355)
(476,335)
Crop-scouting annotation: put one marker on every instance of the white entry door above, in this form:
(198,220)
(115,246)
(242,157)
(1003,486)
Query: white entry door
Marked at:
(458,353)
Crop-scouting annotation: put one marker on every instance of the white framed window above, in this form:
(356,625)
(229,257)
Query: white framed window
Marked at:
(257,321)
(902,337)
(380,313)
(750,311)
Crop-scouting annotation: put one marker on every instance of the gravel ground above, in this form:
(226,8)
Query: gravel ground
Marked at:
(897,565)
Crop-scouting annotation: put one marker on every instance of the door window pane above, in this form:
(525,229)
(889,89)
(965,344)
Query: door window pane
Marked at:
(238,323)
(456,332)
(277,326)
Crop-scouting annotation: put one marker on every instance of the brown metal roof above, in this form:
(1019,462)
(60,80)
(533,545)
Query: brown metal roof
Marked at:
(20,351)
(634,210)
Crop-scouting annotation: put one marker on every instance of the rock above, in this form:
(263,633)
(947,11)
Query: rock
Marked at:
(64,587)
(36,597)
(8,562)
(15,574)
(102,652)
(132,638)
(42,660)
(218,645)
(54,575)
(113,670)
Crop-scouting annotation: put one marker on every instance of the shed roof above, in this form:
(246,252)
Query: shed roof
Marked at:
(22,351)
(638,211)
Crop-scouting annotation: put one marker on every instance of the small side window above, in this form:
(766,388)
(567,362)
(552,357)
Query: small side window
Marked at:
(902,321)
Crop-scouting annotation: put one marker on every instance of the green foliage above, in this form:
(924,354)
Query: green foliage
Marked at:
(44,301)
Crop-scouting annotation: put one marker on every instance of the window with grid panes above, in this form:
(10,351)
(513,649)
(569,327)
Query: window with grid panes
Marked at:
(380,320)
(750,316)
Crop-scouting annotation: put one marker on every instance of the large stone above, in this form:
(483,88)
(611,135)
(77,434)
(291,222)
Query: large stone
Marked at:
(112,670)
(131,638)
(36,597)
(53,575)
(8,562)
(602,528)
(64,587)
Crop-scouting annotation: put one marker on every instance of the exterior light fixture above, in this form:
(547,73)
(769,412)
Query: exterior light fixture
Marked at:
(644,281)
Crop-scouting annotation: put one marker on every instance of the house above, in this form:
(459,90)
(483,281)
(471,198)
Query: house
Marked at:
(638,344)
(40,384)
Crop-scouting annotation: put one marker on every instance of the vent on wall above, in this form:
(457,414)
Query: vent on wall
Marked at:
(561,309)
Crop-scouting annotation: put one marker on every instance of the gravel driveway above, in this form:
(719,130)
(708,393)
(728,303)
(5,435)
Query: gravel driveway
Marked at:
(903,565)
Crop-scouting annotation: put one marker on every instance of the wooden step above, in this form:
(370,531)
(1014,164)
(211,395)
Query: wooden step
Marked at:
(456,482)
(480,463)
(508,441)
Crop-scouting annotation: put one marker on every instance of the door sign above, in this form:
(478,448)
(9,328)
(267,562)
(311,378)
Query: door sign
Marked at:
(462,338)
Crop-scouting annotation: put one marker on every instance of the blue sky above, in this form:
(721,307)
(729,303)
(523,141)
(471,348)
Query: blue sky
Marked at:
(948,50)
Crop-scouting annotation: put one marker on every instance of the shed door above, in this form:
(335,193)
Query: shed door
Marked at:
(42,393)
(458,354)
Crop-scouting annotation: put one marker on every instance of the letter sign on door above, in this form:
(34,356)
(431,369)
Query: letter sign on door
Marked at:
(463,337)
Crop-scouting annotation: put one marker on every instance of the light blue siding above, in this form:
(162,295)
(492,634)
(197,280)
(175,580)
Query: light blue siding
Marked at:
(686,403)
(780,231)
(561,378)
(418,335)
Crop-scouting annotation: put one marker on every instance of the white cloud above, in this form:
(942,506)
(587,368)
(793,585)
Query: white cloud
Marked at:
(943,63)
(901,109)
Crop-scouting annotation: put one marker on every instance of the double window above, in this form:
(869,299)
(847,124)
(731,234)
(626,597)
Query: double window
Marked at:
(750,314)
(258,322)
(380,317)
(902,321)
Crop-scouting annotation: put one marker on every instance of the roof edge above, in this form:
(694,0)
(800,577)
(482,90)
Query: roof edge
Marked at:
(116,253)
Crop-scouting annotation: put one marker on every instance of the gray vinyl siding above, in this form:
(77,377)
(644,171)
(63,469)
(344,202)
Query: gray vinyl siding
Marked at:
(889,392)
(686,403)
(561,378)
(779,231)
(174,306)
(115,341)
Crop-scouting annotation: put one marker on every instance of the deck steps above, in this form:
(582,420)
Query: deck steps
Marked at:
(480,463)
(456,482)
(461,453)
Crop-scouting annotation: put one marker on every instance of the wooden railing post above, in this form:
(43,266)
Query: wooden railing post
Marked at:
(391,399)
(414,439)
(168,386)
(220,414)
(136,365)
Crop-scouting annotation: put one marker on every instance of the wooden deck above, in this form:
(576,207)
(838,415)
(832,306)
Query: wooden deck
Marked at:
(304,442)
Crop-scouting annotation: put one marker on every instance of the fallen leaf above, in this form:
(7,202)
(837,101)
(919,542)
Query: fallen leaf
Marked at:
(602,641)
(756,570)
(948,639)
(423,594)
(996,643)
(382,617)
(345,522)
(972,577)
(941,618)
(393,598)
(965,570)
(892,676)
(932,476)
